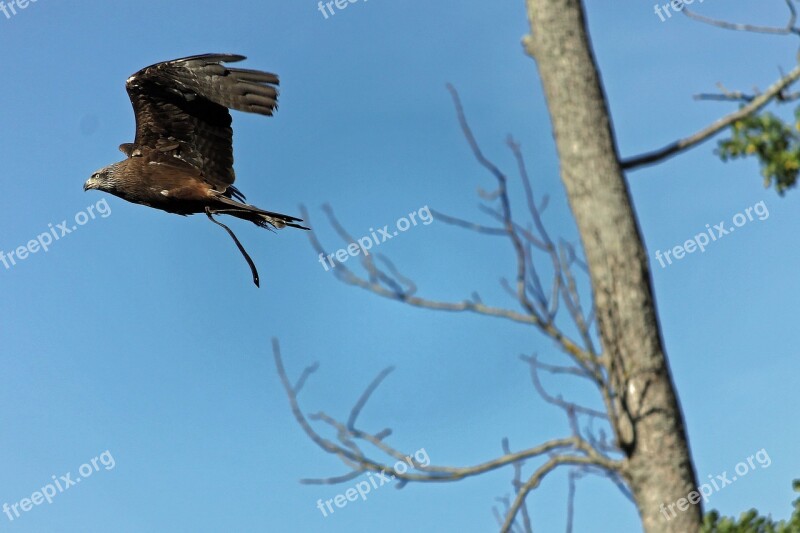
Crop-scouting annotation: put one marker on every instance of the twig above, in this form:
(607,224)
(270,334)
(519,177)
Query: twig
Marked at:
(706,133)
(786,30)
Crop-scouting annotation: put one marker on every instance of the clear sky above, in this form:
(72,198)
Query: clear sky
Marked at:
(141,334)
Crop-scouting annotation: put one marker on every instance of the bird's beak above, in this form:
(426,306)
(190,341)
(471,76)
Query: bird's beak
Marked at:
(89,185)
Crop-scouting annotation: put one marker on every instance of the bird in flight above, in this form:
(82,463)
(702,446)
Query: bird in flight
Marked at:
(181,160)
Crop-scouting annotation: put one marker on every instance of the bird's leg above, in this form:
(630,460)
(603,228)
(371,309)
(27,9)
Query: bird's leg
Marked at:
(252,265)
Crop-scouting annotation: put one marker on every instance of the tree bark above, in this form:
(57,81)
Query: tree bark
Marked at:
(647,420)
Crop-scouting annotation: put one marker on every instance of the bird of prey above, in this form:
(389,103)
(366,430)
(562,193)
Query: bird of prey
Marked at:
(181,160)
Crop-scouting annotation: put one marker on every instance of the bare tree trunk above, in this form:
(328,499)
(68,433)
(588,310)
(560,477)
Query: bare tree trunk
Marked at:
(648,421)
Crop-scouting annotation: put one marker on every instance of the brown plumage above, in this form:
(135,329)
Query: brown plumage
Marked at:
(181,160)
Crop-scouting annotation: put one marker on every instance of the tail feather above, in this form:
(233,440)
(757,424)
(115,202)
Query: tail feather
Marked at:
(259,217)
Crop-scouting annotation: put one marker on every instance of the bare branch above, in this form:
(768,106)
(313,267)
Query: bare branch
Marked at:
(478,228)
(558,401)
(517,484)
(326,445)
(304,376)
(540,303)
(573,477)
(566,257)
(726,95)
(738,96)
(397,293)
(362,401)
(350,454)
(555,369)
(536,479)
(706,133)
(789,29)
(505,204)
(410,286)
(333,480)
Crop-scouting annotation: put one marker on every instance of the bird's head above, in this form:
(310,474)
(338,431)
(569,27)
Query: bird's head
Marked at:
(102,180)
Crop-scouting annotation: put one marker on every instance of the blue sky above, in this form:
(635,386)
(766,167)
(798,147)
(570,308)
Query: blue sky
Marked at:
(140,333)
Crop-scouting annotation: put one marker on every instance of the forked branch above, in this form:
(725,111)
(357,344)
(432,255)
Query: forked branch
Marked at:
(541,294)
(573,450)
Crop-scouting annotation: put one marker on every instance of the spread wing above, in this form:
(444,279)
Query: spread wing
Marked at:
(182,117)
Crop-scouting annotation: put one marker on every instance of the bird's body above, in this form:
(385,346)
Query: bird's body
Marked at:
(160,184)
(181,160)
(164,183)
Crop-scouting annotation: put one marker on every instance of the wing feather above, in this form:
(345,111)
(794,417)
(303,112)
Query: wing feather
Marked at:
(181,109)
